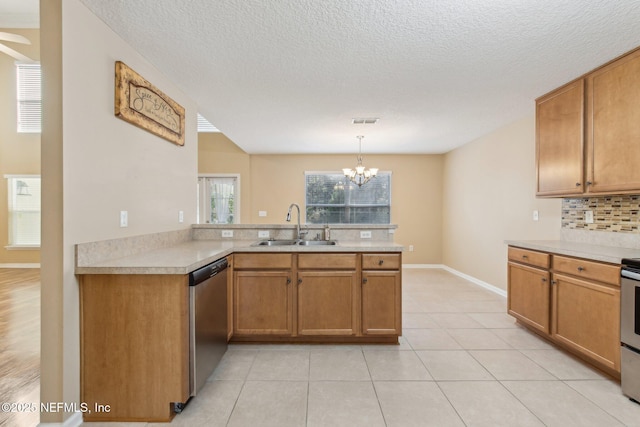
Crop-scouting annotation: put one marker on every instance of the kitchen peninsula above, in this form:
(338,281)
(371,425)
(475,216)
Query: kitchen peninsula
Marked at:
(134,295)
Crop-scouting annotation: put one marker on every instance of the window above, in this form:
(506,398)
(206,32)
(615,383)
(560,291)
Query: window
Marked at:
(333,199)
(205,126)
(29,98)
(218,199)
(24,210)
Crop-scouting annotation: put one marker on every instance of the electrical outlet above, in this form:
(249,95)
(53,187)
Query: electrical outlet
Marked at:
(227,233)
(365,234)
(180,216)
(262,213)
(410,248)
(536,215)
(124,219)
(263,234)
(588,217)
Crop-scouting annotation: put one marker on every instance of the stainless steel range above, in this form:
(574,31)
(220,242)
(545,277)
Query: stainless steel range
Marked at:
(630,328)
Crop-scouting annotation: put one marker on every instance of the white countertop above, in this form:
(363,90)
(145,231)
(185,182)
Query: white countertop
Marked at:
(185,257)
(610,254)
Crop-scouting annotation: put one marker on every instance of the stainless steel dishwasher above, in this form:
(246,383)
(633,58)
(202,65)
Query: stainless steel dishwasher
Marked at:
(208,321)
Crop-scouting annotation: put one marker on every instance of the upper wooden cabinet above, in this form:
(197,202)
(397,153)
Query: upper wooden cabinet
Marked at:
(559,141)
(613,123)
(588,133)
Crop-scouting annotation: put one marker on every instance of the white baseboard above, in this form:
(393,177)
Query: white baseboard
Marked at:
(423,266)
(20,265)
(472,279)
(73,421)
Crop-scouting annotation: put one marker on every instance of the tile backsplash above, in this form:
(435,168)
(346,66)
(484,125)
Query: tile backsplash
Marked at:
(619,214)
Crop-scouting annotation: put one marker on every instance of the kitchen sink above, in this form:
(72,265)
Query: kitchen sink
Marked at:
(277,243)
(296,242)
(318,243)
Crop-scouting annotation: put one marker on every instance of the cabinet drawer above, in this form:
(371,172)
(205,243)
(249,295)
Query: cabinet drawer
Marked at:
(526,256)
(262,261)
(327,261)
(593,270)
(381,261)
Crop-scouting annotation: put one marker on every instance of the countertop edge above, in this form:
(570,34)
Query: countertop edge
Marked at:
(198,254)
(609,254)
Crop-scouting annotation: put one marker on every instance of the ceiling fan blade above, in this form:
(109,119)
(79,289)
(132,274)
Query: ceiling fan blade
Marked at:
(10,37)
(17,55)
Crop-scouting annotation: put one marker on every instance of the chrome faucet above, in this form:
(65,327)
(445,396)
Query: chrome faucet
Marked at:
(299,233)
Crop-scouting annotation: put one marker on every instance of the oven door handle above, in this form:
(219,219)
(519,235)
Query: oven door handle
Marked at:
(630,275)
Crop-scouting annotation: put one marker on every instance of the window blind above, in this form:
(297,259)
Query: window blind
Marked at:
(29,98)
(205,126)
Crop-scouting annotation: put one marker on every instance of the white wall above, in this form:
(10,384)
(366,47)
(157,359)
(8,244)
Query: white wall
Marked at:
(93,166)
(489,197)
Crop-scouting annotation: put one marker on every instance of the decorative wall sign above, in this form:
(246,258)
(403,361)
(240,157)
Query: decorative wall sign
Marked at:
(144,105)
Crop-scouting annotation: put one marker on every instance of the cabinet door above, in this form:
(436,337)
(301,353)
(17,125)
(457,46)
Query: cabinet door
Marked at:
(614,126)
(263,303)
(586,317)
(327,303)
(381,303)
(529,296)
(559,141)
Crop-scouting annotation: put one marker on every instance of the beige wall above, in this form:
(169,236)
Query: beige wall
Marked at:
(218,154)
(489,197)
(93,166)
(19,152)
(271,182)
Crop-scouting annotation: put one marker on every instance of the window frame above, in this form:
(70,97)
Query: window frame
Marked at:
(201,196)
(325,172)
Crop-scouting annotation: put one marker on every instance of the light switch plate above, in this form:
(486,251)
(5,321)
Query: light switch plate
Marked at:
(180,216)
(365,234)
(124,219)
(227,233)
(263,234)
(262,213)
(536,215)
(588,217)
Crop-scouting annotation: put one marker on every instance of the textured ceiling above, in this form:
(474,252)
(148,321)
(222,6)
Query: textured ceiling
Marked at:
(287,76)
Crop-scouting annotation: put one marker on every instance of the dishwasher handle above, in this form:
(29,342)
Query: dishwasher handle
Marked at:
(200,275)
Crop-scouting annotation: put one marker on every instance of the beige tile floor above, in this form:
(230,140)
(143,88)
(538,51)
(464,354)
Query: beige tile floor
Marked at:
(462,361)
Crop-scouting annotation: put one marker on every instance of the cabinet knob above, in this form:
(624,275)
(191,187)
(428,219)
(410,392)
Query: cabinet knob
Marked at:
(380,262)
(288,280)
(544,279)
(525,256)
(580,268)
(589,183)
(299,281)
(553,282)
(578,184)
(364,280)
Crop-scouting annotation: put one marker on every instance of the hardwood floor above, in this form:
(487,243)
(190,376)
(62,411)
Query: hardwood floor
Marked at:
(19,343)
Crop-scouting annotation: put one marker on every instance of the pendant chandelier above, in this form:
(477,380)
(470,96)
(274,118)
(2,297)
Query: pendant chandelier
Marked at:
(360,175)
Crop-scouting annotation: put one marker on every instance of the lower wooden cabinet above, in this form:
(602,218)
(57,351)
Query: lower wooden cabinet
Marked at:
(327,303)
(317,297)
(529,292)
(572,301)
(381,303)
(263,303)
(586,318)
(134,345)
